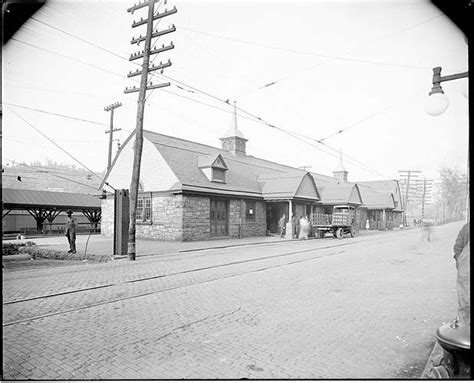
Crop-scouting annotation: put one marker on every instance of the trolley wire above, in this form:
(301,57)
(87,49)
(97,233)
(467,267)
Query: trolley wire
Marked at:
(54,143)
(51,173)
(257,119)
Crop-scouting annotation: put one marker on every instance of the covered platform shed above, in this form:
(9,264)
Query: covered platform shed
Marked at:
(46,206)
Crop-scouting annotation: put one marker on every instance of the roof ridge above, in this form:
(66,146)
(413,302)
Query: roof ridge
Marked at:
(224,153)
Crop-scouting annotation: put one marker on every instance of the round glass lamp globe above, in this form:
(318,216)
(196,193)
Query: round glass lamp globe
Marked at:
(436,104)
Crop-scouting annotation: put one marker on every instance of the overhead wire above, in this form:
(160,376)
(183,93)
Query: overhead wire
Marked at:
(309,53)
(77,37)
(366,118)
(66,57)
(168,77)
(54,143)
(256,118)
(51,173)
(175,80)
(56,114)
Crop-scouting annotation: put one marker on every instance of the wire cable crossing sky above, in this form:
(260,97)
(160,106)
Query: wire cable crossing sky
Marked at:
(348,77)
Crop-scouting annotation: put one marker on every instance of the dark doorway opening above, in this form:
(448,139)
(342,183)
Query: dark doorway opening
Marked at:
(219,218)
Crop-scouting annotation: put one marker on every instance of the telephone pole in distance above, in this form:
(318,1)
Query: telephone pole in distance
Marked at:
(408,174)
(110,108)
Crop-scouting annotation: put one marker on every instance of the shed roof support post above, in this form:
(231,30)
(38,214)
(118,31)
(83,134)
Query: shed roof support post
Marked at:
(289,224)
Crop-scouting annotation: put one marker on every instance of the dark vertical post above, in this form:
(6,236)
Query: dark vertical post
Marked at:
(121,221)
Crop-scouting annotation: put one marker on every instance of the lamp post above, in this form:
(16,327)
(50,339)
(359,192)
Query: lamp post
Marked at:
(437,101)
(453,338)
(437,104)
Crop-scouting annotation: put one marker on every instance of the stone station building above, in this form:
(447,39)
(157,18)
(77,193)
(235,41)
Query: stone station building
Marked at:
(190,191)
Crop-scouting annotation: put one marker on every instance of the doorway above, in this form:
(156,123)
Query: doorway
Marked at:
(274,212)
(219,218)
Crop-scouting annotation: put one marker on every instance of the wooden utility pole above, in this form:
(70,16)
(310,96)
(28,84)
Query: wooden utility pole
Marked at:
(427,184)
(408,174)
(110,108)
(144,86)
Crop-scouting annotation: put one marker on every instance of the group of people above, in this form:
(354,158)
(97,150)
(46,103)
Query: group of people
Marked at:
(417,222)
(301,227)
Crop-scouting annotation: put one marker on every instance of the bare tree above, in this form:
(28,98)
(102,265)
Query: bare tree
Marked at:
(452,194)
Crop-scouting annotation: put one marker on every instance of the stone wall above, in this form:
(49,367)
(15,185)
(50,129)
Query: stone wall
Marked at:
(166,223)
(196,218)
(245,228)
(167,219)
(187,218)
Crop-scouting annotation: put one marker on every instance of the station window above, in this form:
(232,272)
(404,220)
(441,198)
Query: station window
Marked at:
(250,211)
(143,209)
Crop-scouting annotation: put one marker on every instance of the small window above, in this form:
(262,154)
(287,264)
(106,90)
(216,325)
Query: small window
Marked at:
(143,209)
(250,211)
(147,215)
(218,175)
(139,212)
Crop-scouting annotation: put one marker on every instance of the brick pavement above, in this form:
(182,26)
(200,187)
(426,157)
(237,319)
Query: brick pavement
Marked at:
(369,311)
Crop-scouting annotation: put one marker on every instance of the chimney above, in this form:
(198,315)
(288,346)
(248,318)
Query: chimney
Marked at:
(341,175)
(233,140)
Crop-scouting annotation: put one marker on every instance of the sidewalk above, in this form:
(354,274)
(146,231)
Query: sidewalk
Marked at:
(100,245)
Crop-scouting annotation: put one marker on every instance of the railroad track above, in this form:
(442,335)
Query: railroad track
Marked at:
(180,283)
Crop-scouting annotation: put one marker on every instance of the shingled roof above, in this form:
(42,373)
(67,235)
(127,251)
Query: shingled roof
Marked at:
(244,175)
(386,186)
(376,200)
(249,176)
(343,193)
(36,199)
(293,186)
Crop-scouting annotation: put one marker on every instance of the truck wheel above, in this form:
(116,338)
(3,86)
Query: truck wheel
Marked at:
(339,233)
(352,232)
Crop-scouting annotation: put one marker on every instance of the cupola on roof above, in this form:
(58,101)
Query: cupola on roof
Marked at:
(234,131)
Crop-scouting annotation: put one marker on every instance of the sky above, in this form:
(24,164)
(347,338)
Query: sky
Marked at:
(309,69)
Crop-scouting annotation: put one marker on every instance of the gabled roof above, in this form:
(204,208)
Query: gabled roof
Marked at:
(36,199)
(183,157)
(301,186)
(343,193)
(376,200)
(386,186)
(211,160)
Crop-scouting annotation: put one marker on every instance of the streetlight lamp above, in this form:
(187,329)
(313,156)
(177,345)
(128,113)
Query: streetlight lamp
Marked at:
(437,104)
(437,101)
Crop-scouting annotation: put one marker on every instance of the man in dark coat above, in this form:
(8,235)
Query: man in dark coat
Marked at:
(70,232)
(461,240)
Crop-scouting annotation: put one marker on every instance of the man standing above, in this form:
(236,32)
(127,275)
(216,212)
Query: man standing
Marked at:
(70,232)
(461,240)
(281,225)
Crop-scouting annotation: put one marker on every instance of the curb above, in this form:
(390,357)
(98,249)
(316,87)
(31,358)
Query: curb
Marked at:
(434,360)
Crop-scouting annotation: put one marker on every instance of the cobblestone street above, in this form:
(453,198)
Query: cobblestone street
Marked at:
(364,307)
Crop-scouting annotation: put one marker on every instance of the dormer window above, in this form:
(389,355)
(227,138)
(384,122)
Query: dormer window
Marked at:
(214,167)
(218,175)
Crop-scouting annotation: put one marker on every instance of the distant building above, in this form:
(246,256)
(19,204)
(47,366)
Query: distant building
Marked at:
(383,200)
(48,210)
(51,178)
